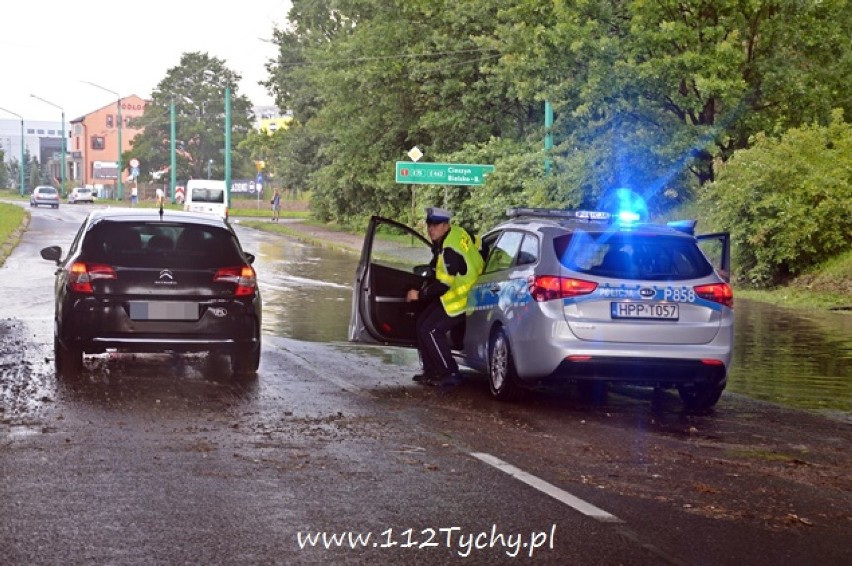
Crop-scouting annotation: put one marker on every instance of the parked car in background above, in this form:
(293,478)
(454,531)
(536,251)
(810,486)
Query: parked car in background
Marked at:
(81,194)
(46,195)
(138,280)
(569,296)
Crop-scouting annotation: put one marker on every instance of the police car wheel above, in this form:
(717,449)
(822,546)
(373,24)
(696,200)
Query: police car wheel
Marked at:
(502,377)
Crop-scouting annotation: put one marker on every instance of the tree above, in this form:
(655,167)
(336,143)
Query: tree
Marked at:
(656,93)
(648,95)
(197,87)
(787,201)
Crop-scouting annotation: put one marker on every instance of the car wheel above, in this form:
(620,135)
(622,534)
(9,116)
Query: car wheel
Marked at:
(696,397)
(245,361)
(502,376)
(69,361)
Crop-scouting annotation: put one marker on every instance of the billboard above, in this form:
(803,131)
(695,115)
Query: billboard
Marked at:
(104,170)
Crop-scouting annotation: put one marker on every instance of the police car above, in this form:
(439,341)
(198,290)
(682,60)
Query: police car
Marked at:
(579,296)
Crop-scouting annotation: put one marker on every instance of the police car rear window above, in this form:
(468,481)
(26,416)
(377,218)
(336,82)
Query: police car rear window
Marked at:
(632,256)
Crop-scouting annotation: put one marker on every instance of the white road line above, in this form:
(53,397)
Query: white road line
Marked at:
(559,494)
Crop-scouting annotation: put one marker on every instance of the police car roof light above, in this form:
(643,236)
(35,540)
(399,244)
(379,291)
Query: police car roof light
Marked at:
(685,226)
(587,215)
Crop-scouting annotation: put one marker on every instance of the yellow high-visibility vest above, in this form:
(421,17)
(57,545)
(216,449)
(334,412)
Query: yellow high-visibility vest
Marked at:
(455,299)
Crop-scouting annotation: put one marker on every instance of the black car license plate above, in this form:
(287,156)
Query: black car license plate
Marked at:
(653,311)
(163,310)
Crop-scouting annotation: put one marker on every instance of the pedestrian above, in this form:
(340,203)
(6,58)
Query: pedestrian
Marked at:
(134,195)
(160,197)
(276,205)
(457,263)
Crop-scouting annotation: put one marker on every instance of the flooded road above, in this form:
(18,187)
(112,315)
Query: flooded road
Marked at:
(164,459)
(795,357)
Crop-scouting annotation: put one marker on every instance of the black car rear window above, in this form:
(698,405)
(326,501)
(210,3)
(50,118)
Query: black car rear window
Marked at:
(632,256)
(160,245)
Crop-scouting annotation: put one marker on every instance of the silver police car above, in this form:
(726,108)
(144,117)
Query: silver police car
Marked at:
(569,296)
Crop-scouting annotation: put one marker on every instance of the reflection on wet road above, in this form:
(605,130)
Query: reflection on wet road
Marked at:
(306,289)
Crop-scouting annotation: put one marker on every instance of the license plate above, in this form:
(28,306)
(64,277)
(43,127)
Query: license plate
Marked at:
(654,311)
(163,310)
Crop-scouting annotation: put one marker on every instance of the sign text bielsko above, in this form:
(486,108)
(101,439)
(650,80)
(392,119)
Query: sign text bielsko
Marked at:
(441,173)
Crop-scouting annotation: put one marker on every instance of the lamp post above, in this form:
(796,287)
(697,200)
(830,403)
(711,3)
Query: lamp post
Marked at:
(209,165)
(120,124)
(23,165)
(62,167)
(172,142)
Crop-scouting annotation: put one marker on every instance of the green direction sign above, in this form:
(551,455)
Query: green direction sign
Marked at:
(441,173)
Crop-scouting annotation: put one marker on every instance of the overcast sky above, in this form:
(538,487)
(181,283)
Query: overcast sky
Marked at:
(48,47)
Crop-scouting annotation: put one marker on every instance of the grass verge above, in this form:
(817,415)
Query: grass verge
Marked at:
(13,223)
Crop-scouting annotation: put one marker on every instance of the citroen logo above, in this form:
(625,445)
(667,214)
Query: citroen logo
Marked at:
(166,278)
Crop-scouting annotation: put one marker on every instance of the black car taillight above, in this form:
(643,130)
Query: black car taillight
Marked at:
(81,275)
(243,277)
(549,287)
(721,293)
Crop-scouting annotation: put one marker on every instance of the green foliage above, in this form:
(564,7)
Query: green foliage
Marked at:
(12,219)
(197,87)
(655,96)
(787,201)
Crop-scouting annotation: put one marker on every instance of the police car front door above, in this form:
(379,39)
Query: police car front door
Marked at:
(390,264)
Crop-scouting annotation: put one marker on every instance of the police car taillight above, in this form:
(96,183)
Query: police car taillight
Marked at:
(549,287)
(81,275)
(243,277)
(721,293)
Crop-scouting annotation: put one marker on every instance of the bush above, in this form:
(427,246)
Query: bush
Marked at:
(787,202)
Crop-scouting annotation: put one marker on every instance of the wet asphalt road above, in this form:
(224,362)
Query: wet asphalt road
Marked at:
(165,459)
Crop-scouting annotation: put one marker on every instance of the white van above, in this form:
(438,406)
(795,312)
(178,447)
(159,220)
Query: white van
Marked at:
(207,196)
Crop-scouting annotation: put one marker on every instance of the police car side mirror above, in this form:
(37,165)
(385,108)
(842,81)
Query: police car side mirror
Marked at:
(424,271)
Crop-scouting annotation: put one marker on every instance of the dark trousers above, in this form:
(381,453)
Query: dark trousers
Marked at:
(433,341)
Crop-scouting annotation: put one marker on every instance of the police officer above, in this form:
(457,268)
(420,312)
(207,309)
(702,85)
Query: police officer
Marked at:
(457,263)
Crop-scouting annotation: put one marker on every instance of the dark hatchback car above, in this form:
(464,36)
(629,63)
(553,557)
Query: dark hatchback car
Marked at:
(141,280)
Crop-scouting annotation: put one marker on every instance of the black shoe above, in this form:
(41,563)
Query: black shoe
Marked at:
(450,381)
(425,377)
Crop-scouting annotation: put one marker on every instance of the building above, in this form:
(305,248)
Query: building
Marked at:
(93,147)
(42,140)
(269,119)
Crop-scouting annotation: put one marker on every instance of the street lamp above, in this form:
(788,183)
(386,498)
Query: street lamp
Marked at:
(209,165)
(118,106)
(23,165)
(62,170)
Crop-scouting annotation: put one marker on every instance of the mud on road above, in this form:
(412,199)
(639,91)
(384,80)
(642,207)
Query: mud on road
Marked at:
(171,441)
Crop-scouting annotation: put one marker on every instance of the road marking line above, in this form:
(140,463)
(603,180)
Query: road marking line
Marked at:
(559,494)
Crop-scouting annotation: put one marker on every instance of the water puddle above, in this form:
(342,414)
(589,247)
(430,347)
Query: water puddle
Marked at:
(799,358)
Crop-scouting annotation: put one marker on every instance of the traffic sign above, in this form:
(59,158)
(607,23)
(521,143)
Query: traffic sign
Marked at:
(412,173)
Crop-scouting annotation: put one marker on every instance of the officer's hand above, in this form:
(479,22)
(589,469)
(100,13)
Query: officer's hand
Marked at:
(412,295)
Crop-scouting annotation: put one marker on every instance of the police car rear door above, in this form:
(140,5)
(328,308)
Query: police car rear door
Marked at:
(393,259)
(717,248)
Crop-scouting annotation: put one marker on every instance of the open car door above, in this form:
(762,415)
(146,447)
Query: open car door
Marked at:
(394,259)
(717,249)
